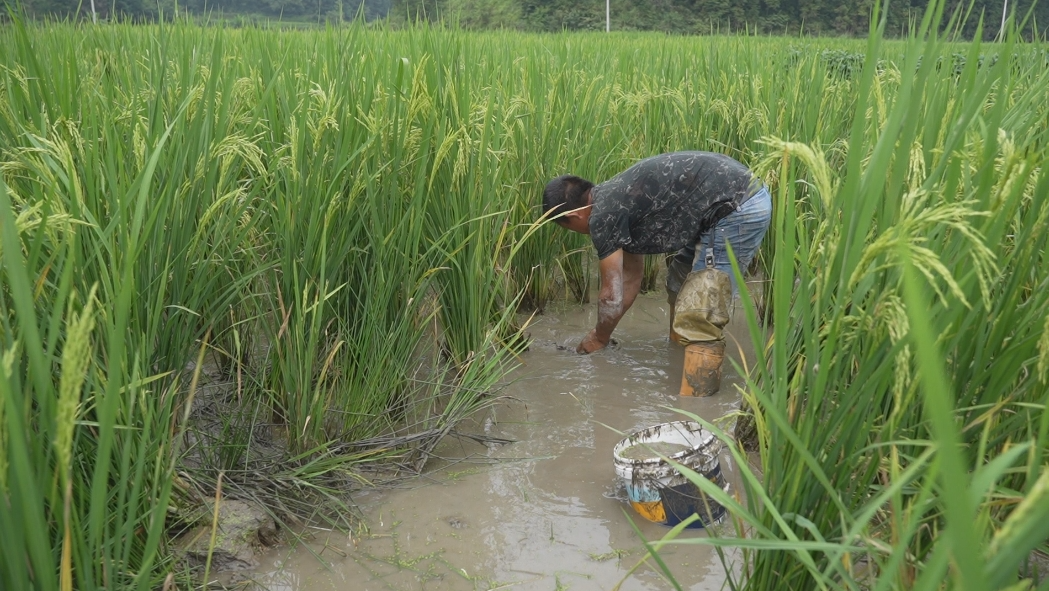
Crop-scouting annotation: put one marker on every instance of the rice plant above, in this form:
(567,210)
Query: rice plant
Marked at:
(899,406)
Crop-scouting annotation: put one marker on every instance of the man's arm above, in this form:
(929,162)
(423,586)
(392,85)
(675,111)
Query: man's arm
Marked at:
(633,270)
(620,283)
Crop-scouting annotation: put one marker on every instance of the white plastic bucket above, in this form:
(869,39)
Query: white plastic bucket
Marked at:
(660,493)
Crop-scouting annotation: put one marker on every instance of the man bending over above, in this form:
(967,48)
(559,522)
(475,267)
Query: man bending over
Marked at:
(670,203)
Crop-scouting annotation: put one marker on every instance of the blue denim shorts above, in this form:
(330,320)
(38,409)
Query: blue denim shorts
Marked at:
(744,229)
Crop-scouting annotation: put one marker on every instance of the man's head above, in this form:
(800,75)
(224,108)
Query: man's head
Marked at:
(567,196)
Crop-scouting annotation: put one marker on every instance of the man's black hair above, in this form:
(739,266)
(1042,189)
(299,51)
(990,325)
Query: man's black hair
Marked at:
(565,193)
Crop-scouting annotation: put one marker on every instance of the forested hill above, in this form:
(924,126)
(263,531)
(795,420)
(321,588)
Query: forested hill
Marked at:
(815,17)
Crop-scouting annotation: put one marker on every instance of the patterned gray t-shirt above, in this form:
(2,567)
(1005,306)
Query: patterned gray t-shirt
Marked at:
(665,202)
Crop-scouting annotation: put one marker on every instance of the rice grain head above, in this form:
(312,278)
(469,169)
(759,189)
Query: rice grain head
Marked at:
(75,356)
(1043,352)
(7,363)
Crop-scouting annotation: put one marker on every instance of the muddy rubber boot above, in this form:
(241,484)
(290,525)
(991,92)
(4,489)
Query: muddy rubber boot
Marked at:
(701,374)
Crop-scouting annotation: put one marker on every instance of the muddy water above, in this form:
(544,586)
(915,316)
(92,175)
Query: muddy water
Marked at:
(540,513)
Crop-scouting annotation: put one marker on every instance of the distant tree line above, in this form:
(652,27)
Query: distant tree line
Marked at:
(815,17)
(319,11)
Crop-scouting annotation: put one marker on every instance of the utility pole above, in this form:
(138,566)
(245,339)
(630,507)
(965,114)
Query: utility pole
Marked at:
(94,17)
(608,15)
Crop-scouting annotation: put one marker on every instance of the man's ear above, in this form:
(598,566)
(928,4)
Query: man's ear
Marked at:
(572,214)
(575,220)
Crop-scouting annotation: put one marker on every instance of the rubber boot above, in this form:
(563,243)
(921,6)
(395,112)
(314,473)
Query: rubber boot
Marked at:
(701,374)
(674,336)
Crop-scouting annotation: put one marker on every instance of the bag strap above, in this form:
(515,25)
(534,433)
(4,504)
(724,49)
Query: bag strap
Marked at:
(710,250)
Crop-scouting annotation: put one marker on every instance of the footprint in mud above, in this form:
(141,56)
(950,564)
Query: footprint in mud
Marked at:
(612,344)
(456,522)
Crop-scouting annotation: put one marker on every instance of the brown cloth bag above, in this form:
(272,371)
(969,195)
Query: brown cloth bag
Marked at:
(702,307)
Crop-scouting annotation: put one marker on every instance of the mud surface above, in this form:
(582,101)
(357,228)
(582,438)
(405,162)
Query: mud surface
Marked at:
(540,513)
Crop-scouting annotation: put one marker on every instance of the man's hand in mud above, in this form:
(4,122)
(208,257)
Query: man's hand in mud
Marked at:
(590,343)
